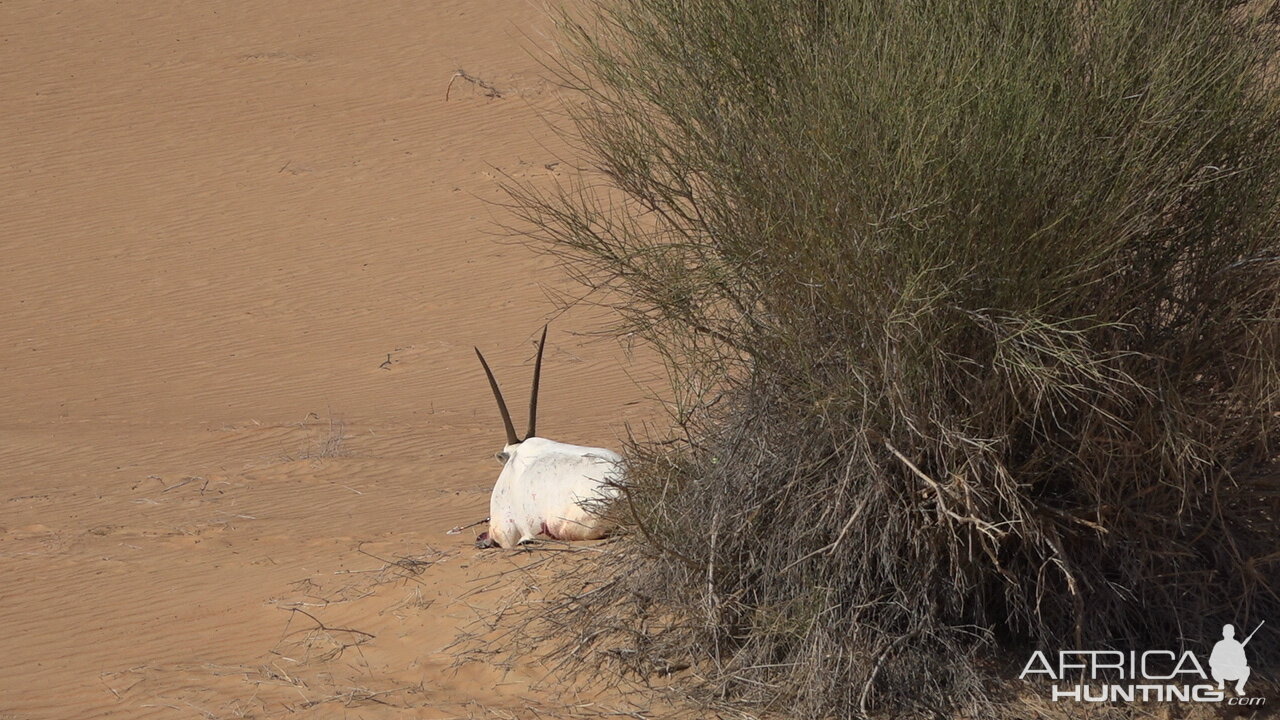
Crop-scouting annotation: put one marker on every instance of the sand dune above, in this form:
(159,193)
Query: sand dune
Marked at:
(246,250)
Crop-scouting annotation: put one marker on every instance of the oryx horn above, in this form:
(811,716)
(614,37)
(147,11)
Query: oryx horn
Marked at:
(512,438)
(533,395)
(502,405)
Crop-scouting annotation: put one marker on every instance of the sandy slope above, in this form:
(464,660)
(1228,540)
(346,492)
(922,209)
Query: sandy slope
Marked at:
(219,222)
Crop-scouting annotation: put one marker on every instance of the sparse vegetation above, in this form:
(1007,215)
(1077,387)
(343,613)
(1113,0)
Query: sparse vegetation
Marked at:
(970,311)
(326,442)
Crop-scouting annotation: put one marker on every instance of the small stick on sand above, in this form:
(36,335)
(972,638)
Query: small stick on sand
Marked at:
(326,628)
(459,528)
(185,481)
(490,91)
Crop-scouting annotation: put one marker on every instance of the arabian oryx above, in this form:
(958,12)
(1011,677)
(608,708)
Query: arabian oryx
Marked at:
(546,488)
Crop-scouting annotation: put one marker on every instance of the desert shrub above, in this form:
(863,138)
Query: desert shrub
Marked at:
(970,310)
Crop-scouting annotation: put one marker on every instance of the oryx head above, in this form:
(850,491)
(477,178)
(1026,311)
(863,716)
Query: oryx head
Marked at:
(512,438)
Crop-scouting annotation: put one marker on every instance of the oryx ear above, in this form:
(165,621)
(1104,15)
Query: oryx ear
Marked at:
(537,377)
(501,457)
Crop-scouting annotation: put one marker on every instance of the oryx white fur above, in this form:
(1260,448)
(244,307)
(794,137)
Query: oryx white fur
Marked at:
(546,488)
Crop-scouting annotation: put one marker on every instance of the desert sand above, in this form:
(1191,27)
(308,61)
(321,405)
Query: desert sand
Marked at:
(246,250)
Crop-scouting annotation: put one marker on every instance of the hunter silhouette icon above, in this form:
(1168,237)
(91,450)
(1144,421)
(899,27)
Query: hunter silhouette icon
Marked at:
(1228,661)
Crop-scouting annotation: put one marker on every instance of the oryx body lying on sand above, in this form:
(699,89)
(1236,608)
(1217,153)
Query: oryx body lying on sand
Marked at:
(547,488)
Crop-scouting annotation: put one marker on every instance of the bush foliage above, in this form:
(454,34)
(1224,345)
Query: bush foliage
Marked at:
(970,310)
